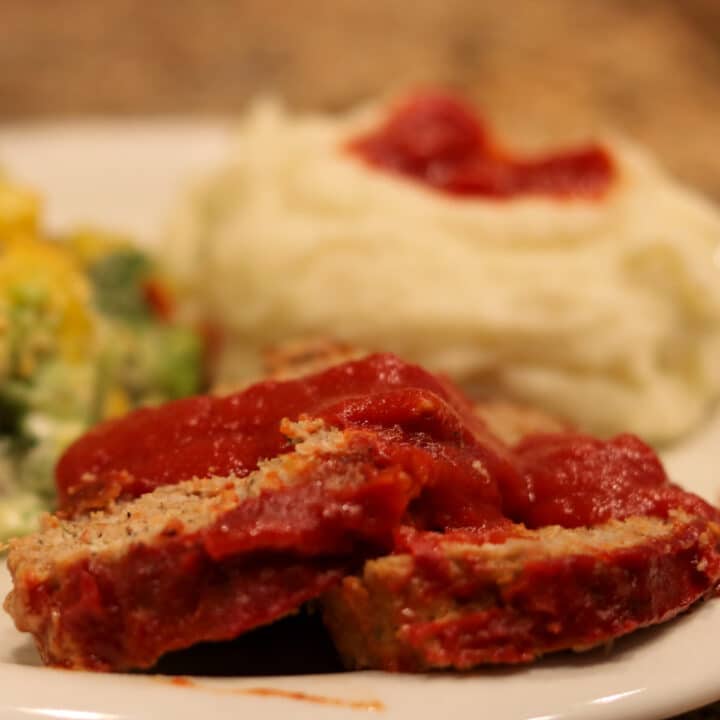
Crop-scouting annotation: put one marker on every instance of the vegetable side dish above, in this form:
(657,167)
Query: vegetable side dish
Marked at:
(85,335)
(582,279)
(375,489)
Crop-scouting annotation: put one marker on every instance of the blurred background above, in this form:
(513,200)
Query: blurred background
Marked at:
(557,68)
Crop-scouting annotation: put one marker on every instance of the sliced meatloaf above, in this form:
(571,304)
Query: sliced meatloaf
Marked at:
(200,436)
(205,559)
(437,534)
(455,601)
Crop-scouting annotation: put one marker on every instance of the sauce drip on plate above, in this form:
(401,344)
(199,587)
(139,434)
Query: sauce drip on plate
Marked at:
(367,705)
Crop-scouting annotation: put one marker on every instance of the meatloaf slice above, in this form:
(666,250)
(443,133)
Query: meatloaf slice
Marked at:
(205,559)
(450,602)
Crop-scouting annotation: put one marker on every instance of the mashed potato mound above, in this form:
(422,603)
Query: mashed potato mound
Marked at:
(605,312)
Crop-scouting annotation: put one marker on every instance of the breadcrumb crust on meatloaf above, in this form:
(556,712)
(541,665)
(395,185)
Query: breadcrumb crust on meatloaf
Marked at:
(188,505)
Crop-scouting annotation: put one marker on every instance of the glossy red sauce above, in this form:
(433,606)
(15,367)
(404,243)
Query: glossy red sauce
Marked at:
(436,140)
(207,435)
(423,429)
(314,518)
(574,480)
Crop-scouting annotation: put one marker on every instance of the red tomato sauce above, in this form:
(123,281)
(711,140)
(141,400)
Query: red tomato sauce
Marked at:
(574,480)
(440,142)
(423,429)
(207,435)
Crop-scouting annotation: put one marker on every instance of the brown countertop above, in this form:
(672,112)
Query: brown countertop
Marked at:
(558,68)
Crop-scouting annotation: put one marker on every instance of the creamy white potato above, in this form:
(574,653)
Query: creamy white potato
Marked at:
(606,312)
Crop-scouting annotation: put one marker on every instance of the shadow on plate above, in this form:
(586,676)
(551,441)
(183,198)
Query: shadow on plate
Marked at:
(26,654)
(296,645)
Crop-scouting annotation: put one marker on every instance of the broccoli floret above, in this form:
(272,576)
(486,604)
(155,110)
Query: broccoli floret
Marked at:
(176,361)
(118,280)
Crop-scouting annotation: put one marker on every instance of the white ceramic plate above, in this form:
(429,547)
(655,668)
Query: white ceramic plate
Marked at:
(127,176)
